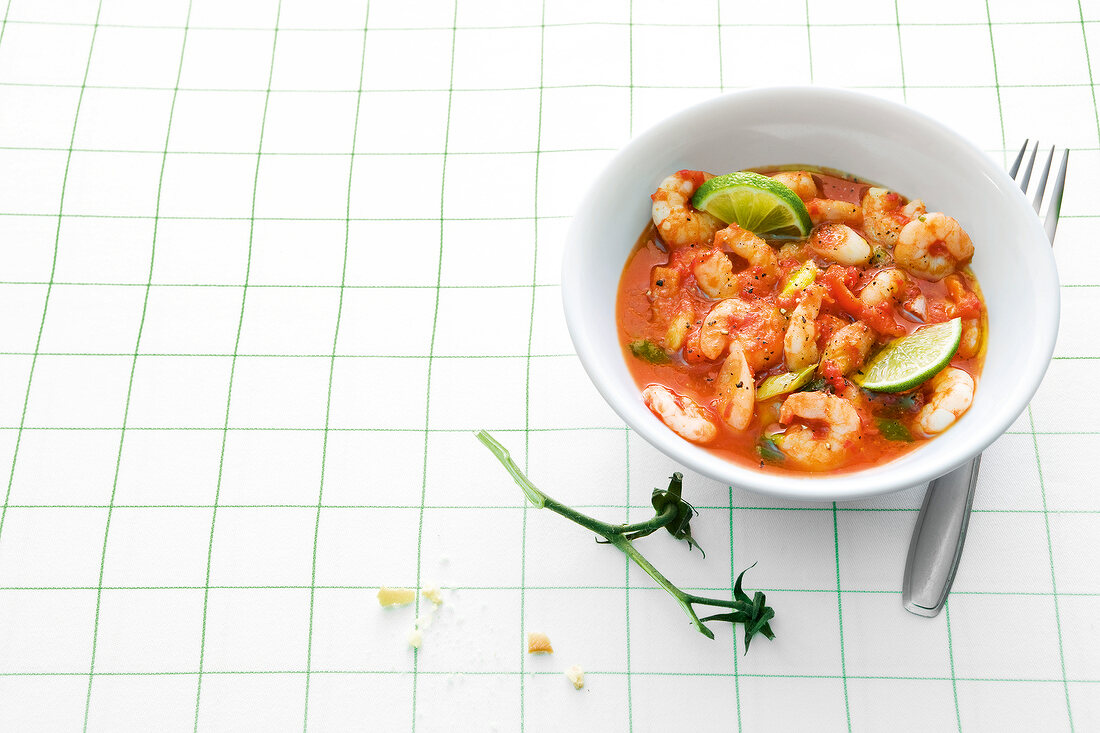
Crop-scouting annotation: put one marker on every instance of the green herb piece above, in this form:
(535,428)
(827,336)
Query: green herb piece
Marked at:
(893,430)
(893,406)
(769,450)
(673,514)
(815,386)
(907,403)
(879,255)
(756,620)
(648,351)
(671,499)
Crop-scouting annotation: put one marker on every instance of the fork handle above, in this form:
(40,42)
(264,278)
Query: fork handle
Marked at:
(938,538)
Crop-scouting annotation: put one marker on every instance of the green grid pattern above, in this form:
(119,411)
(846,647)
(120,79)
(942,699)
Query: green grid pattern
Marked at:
(590,23)
(133,363)
(232,372)
(332,366)
(431,347)
(287,668)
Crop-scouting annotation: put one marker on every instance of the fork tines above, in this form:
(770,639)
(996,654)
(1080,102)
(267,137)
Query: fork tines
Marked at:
(1054,200)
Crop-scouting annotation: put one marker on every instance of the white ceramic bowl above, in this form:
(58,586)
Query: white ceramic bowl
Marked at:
(882,142)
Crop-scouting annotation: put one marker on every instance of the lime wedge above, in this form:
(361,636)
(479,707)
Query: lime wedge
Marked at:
(907,361)
(754,202)
(783,383)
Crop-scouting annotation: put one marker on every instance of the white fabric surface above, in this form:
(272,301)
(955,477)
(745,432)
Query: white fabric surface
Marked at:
(209,481)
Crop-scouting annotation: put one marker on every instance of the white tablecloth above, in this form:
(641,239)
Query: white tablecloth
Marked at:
(264,266)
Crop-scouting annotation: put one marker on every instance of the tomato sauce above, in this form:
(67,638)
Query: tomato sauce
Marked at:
(657,287)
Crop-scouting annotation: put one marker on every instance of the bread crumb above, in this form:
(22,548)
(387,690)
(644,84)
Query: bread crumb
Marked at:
(575,675)
(433,594)
(395,596)
(416,636)
(538,643)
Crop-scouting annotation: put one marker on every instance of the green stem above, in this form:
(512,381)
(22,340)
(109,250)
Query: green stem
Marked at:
(535,496)
(650,525)
(723,602)
(542,500)
(618,535)
(682,598)
(607,531)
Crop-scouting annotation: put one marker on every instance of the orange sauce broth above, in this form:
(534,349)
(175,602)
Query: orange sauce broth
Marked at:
(636,320)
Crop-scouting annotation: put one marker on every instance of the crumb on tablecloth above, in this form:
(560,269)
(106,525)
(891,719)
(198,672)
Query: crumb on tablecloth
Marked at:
(396,596)
(538,643)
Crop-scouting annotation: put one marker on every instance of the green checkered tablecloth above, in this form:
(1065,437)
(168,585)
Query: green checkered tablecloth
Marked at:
(265,265)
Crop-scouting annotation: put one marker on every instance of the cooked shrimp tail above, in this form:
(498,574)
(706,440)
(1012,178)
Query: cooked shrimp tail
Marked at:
(754,250)
(952,391)
(847,350)
(885,213)
(677,221)
(680,413)
(736,389)
(801,182)
(825,430)
(828,210)
(933,246)
(800,340)
(840,243)
(757,325)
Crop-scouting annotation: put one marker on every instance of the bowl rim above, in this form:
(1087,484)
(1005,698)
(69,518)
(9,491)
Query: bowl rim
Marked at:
(813,487)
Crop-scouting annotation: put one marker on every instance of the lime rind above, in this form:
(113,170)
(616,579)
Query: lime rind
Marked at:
(754,202)
(910,360)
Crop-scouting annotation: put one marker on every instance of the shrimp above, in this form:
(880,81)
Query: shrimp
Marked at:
(893,287)
(757,325)
(933,246)
(952,393)
(714,334)
(886,286)
(914,209)
(832,434)
(752,248)
(918,308)
(840,243)
(801,182)
(679,224)
(967,306)
(841,212)
(736,389)
(884,214)
(848,348)
(800,341)
(682,414)
(714,275)
(792,251)
(971,342)
(665,286)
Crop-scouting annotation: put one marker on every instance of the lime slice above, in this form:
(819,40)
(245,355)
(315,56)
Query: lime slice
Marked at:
(907,361)
(783,383)
(754,202)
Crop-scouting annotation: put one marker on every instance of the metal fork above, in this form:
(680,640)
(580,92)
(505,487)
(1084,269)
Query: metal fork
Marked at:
(940,531)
